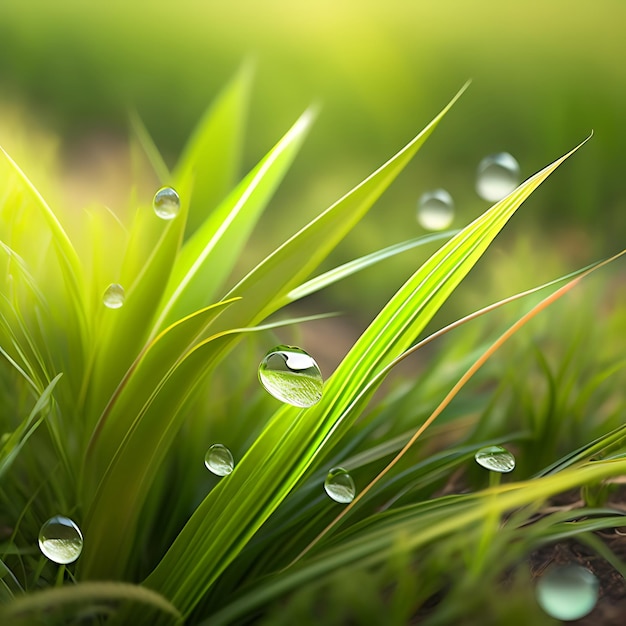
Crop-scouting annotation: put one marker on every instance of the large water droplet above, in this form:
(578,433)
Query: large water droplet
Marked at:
(435,210)
(166,203)
(567,592)
(219,460)
(60,540)
(114,296)
(339,486)
(291,376)
(496,459)
(497,176)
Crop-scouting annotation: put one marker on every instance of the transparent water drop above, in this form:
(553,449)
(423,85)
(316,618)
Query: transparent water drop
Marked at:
(435,210)
(339,486)
(60,540)
(567,592)
(166,203)
(497,176)
(219,460)
(292,376)
(496,459)
(114,296)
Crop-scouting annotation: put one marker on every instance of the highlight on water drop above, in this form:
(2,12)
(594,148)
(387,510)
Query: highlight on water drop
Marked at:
(567,592)
(435,210)
(496,459)
(291,376)
(497,176)
(60,540)
(114,296)
(166,203)
(219,460)
(339,486)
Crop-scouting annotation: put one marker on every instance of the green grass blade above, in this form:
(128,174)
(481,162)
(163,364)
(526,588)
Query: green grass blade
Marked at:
(208,257)
(210,161)
(352,267)
(150,150)
(266,286)
(288,446)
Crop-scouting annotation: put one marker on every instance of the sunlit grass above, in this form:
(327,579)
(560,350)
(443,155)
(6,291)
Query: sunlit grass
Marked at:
(107,408)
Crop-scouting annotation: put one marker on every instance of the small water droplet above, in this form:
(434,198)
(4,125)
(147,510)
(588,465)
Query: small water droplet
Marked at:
(219,460)
(291,376)
(166,203)
(60,540)
(435,210)
(567,592)
(496,459)
(339,486)
(497,176)
(114,296)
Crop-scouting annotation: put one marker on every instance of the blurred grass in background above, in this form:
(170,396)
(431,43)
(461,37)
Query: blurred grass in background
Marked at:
(544,75)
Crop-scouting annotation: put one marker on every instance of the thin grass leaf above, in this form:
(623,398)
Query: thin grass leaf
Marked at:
(239,505)
(15,441)
(352,267)
(149,148)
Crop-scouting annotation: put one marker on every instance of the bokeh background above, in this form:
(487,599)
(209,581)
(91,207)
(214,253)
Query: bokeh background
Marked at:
(545,73)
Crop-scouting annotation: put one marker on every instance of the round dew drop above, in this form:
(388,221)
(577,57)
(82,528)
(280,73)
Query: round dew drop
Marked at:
(567,592)
(219,460)
(291,376)
(497,176)
(496,459)
(166,203)
(435,210)
(339,486)
(60,540)
(114,296)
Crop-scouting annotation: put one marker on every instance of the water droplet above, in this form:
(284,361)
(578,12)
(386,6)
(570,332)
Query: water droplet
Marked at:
(166,203)
(219,460)
(60,540)
(339,486)
(114,296)
(496,459)
(567,592)
(435,210)
(291,376)
(498,174)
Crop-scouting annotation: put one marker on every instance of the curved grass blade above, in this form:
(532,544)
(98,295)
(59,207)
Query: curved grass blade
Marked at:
(237,507)
(24,609)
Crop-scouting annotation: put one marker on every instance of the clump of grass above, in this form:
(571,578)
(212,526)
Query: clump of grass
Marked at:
(108,411)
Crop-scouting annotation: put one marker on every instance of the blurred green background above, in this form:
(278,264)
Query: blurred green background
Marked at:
(544,74)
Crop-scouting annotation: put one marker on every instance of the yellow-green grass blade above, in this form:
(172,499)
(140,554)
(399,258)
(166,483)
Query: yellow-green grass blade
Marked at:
(288,446)
(373,540)
(266,286)
(208,257)
(43,605)
(150,405)
(210,161)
